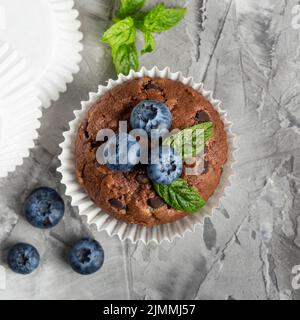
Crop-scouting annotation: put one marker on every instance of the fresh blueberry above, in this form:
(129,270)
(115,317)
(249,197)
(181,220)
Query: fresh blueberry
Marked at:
(23,258)
(86,256)
(165,165)
(151,115)
(44,208)
(122,152)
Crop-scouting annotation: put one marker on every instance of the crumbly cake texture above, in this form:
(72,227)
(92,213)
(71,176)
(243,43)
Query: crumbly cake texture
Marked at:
(130,196)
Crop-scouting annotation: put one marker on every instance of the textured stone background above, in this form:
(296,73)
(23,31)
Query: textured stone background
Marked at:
(248,53)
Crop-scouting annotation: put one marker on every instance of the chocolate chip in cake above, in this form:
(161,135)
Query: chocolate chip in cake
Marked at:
(117,204)
(84,126)
(151,85)
(206,166)
(98,165)
(156,202)
(142,178)
(202,116)
(198,164)
(96,144)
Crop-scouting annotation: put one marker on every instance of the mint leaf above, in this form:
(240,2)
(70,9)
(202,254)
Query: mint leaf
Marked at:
(129,7)
(180,196)
(120,33)
(190,142)
(149,42)
(125,58)
(161,18)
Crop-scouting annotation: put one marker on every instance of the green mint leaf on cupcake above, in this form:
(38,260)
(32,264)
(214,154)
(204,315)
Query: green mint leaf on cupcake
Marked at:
(121,36)
(190,142)
(160,18)
(129,7)
(125,58)
(180,196)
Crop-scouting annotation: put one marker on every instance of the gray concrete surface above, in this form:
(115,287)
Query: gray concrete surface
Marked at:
(247,52)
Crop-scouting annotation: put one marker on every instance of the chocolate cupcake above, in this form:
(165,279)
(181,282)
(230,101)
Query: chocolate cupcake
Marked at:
(132,204)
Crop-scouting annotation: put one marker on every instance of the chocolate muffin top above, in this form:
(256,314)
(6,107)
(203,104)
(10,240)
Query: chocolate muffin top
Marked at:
(130,196)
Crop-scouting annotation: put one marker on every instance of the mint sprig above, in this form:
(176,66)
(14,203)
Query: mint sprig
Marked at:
(190,142)
(121,36)
(180,196)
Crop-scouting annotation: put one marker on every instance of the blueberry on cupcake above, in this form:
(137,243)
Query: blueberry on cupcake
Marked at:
(152,116)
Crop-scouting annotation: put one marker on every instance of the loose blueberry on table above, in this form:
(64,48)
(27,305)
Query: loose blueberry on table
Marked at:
(44,208)
(151,115)
(122,152)
(86,256)
(23,258)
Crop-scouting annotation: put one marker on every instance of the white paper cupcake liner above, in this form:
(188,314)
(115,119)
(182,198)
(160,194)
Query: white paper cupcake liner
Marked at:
(19,110)
(49,40)
(103,221)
